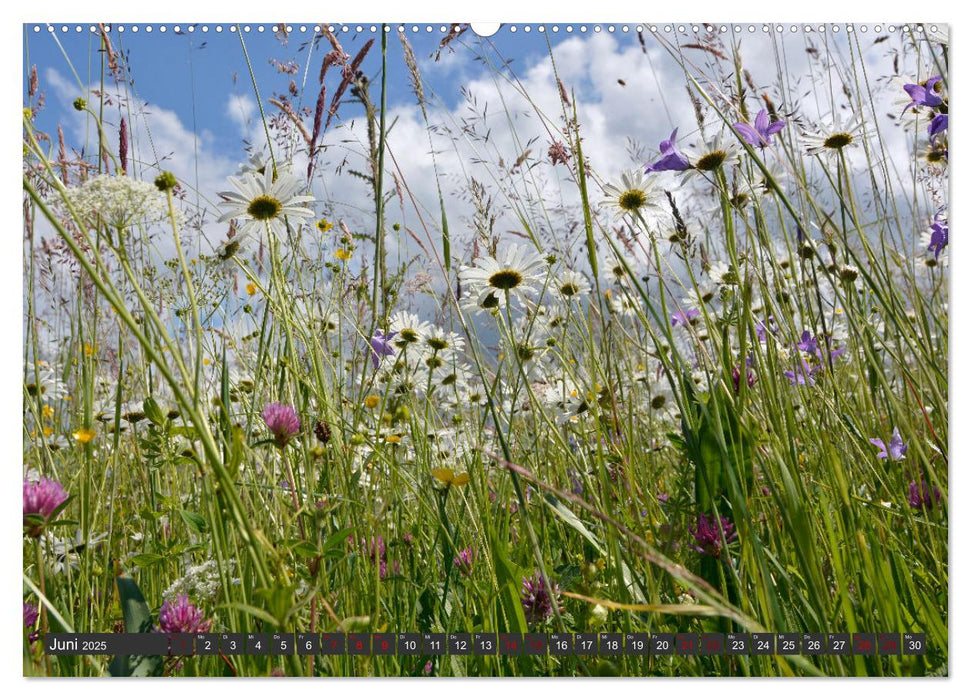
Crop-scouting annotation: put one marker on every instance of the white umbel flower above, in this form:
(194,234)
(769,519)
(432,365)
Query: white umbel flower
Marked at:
(119,201)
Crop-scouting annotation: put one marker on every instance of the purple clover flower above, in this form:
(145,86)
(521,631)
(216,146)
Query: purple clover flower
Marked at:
(920,496)
(282,421)
(708,535)
(381,347)
(683,318)
(30,621)
(537,604)
(377,552)
(181,616)
(671,158)
(41,499)
(737,375)
(762,132)
(895,451)
(924,95)
(939,235)
(464,561)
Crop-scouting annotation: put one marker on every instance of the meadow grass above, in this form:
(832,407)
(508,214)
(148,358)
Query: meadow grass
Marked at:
(661,421)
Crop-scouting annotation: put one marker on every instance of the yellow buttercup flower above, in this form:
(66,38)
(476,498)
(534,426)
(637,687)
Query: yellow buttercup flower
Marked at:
(372,401)
(344,254)
(251,289)
(84,436)
(450,478)
(324,226)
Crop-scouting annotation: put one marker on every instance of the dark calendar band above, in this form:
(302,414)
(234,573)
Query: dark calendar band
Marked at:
(491,644)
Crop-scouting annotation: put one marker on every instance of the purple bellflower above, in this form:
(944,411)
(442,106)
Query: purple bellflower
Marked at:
(381,347)
(895,451)
(759,134)
(939,231)
(924,95)
(805,374)
(937,127)
(683,318)
(671,158)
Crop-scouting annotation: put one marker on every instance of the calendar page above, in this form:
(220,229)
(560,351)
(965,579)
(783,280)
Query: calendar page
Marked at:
(447,349)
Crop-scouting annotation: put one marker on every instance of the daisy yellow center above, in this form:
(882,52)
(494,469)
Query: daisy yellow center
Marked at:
(569,289)
(433,362)
(505,279)
(838,140)
(229,250)
(632,200)
(658,401)
(437,343)
(935,156)
(711,161)
(264,208)
(490,302)
(408,335)
(739,200)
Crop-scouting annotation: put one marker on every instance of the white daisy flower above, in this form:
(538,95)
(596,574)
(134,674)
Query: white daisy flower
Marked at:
(45,380)
(259,201)
(66,551)
(474,394)
(619,303)
(516,271)
(704,294)
(572,285)
(444,343)
(256,164)
(720,273)
(634,193)
(570,401)
(408,329)
(449,378)
(829,139)
(711,155)
(616,271)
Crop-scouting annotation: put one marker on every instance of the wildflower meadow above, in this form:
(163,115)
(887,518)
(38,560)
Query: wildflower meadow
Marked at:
(402,329)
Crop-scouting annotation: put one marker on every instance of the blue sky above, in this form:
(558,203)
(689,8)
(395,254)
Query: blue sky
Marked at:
(193,74)
(194,108)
